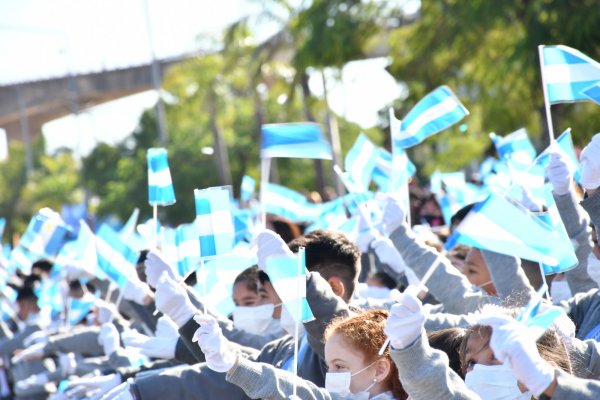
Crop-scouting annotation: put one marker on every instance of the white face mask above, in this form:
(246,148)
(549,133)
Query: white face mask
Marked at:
(256,320)
(495,382)
(339,383)
(593,267)
(559,291)
(288,324)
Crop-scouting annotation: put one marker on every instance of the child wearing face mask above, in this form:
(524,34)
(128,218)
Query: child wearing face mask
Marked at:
(356,370)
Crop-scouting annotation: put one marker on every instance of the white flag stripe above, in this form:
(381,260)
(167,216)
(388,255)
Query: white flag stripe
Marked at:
(571,73)
(278,200)
(189,248)
(444,107)
(290,289)
(215,223)
(363,158)
(161,178)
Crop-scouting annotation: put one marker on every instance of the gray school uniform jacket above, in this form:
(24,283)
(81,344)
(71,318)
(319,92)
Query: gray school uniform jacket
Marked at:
(200,382)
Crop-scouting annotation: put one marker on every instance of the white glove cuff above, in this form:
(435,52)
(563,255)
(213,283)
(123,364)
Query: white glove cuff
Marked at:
(183,313)
(540,379)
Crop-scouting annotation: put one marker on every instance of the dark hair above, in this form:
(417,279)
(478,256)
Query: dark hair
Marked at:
(249,277)
(44,265)
(460,215)
(285,228)
(26,294)
(386,280)
(331,254)
(449,341)
(365,334)
(549,345)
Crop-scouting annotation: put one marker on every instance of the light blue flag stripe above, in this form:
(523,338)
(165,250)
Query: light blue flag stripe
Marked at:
(438,179)
(160,185)
(287,203)
(44,236)
(490,225)
(361,160)
(214,221)
(437,111)
(247,188)
(22,259)
(79,308)
(116,259)
(566,145)
(289,282)
(2,226)
(515,146)
(568,73)
(294,140)
(593,93)
(382,174)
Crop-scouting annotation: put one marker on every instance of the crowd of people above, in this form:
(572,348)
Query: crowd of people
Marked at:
(379,330)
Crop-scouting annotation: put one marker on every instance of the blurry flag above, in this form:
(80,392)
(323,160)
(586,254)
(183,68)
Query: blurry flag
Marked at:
(168,244)
(160,186)
(242,224)
(2,226)
(79,308)
(247,188)
(567,73)
(188,249)
(288,276)
(3,145)
(129,229)
(403,168)
(439,179)
(22,259)
(294,140)
(437,111)
(593,93)
(45,234)
(213,221)
(116,259)
(565,144)
(361,160)
(50,297)
(491,226)
(72,213)
(515,146)
(216,280)
(84,254)
(287,203)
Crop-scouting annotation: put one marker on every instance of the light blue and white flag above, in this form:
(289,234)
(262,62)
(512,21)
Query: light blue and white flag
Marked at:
(438,179)
(361,161)
(84,254)
(294,140)
(45,234)
(213,221)
(437,111)
(567,73)
(160,185)
(188,249)
(22,259)
(115,257)
(129,229)
(287,203)
(565,144)
(78,309)
(515,147)
(247,188)
(382,174)
(168,244)
(593,93)
(491,226)
(288,276)
(242,223)
(2,226)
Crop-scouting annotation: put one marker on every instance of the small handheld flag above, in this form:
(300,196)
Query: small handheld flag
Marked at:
(116,259)
(294,140)
(213,221)
(160,186)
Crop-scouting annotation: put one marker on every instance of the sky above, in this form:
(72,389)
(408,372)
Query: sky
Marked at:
(40,39)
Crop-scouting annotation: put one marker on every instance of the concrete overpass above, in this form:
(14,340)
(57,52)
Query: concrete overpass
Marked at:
(26,106)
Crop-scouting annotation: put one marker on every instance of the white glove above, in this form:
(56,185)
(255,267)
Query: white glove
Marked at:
(172,300)
(270,244)
(121,392)
(219,356)
(559,173)
(32,381)
(67,363)
(529,202)
(136,290)
(97,384)
(109,338)
(106,311)
(406,321)
(35,352)
(388,254)
(155,266)
(514,345)
(393,215)
(35,337)
(590,164)
(165,328)
(157,347)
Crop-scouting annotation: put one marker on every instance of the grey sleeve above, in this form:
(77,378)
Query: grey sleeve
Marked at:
(263,381)
(437,321)
(446,284)
(425,374)
(585,358)
(509,279)
(592,206)
(81,341)
(325,306)
(577,225)
(9,345)
(570,387)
